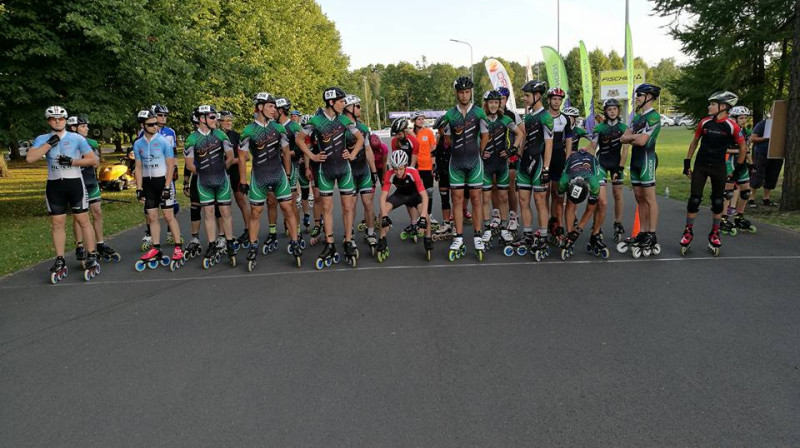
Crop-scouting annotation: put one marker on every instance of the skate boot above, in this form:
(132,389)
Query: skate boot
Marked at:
(230,249)
(714,243)
(486,238)
(434,224)
(372,242)
(457,249)
(327,257)
(686,240)
(619,231)
(410,233)
(92,268)
(519,246)
(193,249)
(506,240)
(513,225)
(212,255)
(428,243)
(555,233)
(539,248)
(480,248)
(59,270)
(494,224)
(351,253)
(243,241)
(445,232)
(270,245)
(170,238)
(80,255)
(597,246)
(147,242)
(252,256)
(650,245)
(636,244)
(178,259)
(569,243)
(315,235)
(727,227)
(382,251)
(741,223)
(306,222)
(106,253)
(296,251)
(151,259)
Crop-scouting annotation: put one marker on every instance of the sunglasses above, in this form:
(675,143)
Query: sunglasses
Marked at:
(211,117)
(161,115)
(639,94)
(150,125)
(358,106)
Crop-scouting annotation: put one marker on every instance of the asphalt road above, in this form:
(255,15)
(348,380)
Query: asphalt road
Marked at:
(665,351)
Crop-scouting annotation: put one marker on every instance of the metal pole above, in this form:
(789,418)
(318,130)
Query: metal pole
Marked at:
(558,26)
(471,70)
(365,98)
(384,109)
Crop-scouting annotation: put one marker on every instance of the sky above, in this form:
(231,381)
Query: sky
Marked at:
(385,32)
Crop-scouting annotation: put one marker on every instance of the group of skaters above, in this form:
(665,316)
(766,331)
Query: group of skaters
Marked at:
(485,156)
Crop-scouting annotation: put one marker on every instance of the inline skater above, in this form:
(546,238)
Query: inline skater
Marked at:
(466,129)
(155,163)
(562,147)
(532,169)
(80,124)
(442,175)
(581,179)
(427,145)
(404,140)
(409,192)
(226,123)
(305,183)
(495,166)
(268,145)
(612,156)
(513,220)
(328,129)
(292,128)
(66,153)
(715,134)
(380,152)
(365,173)
(190,191)
(737,179)
(214,155)
(642,136)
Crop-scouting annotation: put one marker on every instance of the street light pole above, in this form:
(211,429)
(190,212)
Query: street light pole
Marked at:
(558,26)
(384,110)
(365,98)
(471,71)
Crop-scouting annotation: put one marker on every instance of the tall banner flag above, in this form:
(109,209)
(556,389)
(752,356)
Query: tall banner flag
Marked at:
(499,78)
(629,69)
(528,71)
(556,72)
(586,82)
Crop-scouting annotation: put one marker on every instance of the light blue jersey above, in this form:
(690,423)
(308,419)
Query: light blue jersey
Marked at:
(153,154)
(72,145)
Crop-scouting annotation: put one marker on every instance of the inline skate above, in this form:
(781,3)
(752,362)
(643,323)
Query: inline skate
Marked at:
(59,270)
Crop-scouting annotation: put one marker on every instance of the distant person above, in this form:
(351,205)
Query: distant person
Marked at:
(766,170)
(427,144)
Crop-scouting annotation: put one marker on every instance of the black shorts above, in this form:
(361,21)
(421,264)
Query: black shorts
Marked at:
(194,194)
(557,162)
(153,188)
(427,179)
(233,175)
(443,170)
(766,171)
(409,200)
(62,195)
(702,172)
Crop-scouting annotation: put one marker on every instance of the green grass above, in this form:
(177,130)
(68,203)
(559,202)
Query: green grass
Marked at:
(26,229)
(671,148)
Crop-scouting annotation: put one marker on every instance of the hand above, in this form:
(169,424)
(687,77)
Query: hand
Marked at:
(545,175)
(140,195)
(514,150)
(615,174)
(309,177)
(187,190)
(166,194)
(244,188)
(319,158)
(374,178)
(504,154)
(486,155)
(687,168)
(64,161)
(53,140)
(346,155)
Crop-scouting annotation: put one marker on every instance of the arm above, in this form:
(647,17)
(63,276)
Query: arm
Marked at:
(286,155)
(568,148)
(37,152)
(189,160)
(519,136)
(88,159)
(243,165)
(170,169)
(359,144)
(300,140)
(137,174)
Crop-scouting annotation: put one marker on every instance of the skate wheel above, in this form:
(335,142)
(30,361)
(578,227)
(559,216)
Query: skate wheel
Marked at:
(646,252)
(636,252)
(752,229)
(451,255)
(336,258)
(479,253)
(361,227)
(173,266)
(246,244)
(289,249)
(357,254)
(251,264)
(714,251)
(657,249)
(380,257)
(328,262)
(508,251)
(87,275)
(596,251)
(353,262)
(463,251)
(617,238)
(152,264)
(54,278)
(684,250)
(403,236)
(165,261)
(116,257)
(233,262)
(622,247)
(589,249)
(145,247)
(371,251)
(302,244)
(428,255)
(264,249)
(320,263)
(298,261)
(564,254)
(236,245)
(522,251)
(206,263)
(605,253)
(435,237)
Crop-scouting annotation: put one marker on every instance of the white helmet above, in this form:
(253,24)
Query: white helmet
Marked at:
(399,158)
(72,121)
(55,112)
(349,100)
(572,112)
(740,110)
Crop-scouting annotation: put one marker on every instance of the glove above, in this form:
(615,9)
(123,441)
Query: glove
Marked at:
(374,178)
(187,189)
(244,188)
(545,175)
(64,161)
(513,151)
(166,194)
(139,195)
(422,222)
(53,140)
(687,166)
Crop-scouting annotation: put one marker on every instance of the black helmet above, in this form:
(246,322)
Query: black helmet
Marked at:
(399,124)
(319,111)
(144,115)
(653,90)
(578,190)
(333,93)
(225,114)
(463,83)
(262,98)
(535,86)
(194,116)
(611,102)
(725,97)
(283,103)
(159,109)
(492,95)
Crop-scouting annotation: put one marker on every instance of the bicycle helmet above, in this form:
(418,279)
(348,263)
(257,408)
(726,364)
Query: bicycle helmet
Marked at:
(739,111)
(283,103)
(144,115)
(504,91)
(653,90)
(399,159)
(577,190)
(556,91)
(399,125)
(491,95)
(463,83)
(724,97)
(535,86)
(333,93)
(159,109)
(55,112)
(349,100)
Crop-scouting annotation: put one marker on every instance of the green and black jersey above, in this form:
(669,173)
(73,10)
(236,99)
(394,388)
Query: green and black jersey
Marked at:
(609,148)
(265,144)
(208,151)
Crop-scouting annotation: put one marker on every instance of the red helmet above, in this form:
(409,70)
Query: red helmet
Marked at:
(556,91)
(374,141)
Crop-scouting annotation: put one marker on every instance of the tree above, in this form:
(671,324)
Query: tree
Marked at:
(790,199)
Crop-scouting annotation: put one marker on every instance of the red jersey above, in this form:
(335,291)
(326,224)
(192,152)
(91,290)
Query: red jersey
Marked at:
(409,144)
(409,184)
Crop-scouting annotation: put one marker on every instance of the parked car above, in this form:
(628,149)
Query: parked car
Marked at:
(666,121)
(685,120)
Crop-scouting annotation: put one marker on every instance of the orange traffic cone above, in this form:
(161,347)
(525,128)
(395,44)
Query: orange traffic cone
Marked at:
(635,222)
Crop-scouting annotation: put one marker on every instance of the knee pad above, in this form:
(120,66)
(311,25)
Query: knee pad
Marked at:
(694,204)
(445,195)
(717,204)
(194,211)
(745,194)
(386,222)
(728,195)
(304,193)
(217,214)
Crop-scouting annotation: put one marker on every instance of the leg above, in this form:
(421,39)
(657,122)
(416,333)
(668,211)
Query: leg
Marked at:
(172,224)
(475,199)
(255,222)
(57,223)
(600,210)
(327,216)
(524,197)
(87,230)
(348,212)
(458,208)
(227,221)
(289,210)
(97,221)
(210,222)
(619,202)
(155,225)
(540,199)
(512,190)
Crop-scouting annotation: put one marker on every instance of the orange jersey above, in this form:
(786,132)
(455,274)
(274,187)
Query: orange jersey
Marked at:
(427,141)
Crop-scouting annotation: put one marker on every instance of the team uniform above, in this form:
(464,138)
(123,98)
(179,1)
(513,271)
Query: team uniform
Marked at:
(362,175)
(644,160)
(153,155)
(409,145)
(265,144)
(292,128)
(561,130)
(329,135)
(408,189)
(90,175)
(538,128)
(584,165)
(716,136)
(233,170)
(466,167)
(609,149)
(743,176)
(495,167)
(208,151)
(65,189)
